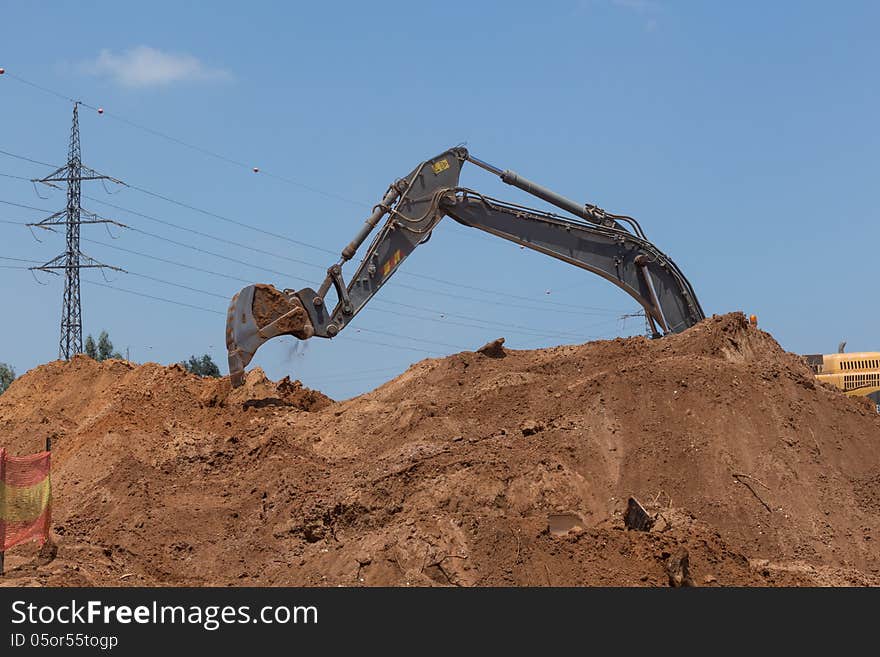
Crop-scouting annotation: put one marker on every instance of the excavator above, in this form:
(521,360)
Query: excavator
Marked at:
(613,246)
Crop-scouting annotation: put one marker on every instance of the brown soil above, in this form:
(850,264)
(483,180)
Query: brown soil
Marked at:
(465,470)
(270,304)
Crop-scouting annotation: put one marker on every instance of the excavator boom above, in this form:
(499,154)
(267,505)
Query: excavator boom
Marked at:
(612,246)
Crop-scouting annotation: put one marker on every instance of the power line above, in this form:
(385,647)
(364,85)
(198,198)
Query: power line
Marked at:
(470,318)
(292,276)
(203,234)
(217,312)
(216,255)
(208,152)
(509,327)
(324,250)
(155,298)
(530,331)
(9,175)
(213,294)
(188,206)
(343,375)
(194,147)
(22,205)
(402,285)
(220,296)
(19,259)
(193,208)
(139,275)
(332,379)
(578,308)
(393,346)
(535,332)
(410,337)
(345,378)
(323,268)
(242,164)
(404,273)
(28,159)
(490,302)
(228,219)
(40,87)
(170,262)
(514,329)
(359,328)
(506,294)
(180,285)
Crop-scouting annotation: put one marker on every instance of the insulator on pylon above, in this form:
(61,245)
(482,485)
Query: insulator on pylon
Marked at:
(2,71)
(100,110)
(256,169)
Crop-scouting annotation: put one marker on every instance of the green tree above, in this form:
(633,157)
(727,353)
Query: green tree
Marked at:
(7,376)
(103,349)
(203,366)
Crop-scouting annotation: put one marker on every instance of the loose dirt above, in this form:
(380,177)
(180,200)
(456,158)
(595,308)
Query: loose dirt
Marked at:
(466,470)
(271,304)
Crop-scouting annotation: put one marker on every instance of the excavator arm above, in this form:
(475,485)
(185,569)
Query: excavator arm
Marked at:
(612,246)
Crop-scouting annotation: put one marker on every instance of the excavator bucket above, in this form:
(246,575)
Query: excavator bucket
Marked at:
(256,314)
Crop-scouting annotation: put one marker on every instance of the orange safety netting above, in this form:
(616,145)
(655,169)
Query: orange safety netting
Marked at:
(25,498)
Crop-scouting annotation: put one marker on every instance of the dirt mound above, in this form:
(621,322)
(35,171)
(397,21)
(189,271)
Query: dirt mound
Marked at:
(466,470)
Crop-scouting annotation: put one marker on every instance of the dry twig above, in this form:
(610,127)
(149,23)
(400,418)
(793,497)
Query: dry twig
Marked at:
(755,479)
(747,485)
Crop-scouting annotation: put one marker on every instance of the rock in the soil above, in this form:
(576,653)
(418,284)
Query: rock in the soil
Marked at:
(46,555)
(531,427)
(494,349)
(678,569)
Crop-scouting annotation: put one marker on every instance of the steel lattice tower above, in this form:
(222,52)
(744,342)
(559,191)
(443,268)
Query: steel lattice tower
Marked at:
(73,259)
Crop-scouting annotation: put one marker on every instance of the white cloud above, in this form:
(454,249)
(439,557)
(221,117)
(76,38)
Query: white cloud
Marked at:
(147,67)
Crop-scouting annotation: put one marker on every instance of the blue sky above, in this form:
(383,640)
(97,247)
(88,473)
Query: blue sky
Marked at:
(742,135)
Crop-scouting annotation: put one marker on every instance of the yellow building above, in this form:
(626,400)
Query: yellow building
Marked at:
(857,374)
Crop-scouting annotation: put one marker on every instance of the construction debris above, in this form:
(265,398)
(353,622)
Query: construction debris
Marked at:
(635,516)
